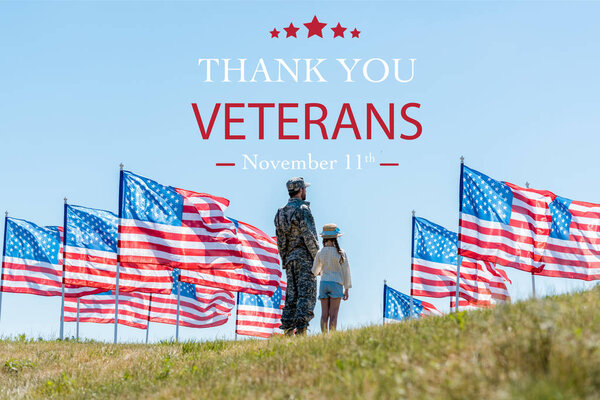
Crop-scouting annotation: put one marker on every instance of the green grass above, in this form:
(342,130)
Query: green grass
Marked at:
(544,349)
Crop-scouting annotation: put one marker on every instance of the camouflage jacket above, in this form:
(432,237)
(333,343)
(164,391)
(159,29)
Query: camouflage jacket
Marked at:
(296,232)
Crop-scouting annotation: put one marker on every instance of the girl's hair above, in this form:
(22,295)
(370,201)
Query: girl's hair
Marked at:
(337,246)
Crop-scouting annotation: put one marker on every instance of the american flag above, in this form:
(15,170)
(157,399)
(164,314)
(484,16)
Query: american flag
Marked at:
(434,259)
(33,261)
(482,283)
(260,272)
(260,315)
(573,248)
(174,227)
(199,307)
(396,306)
(501,222)
(91,255)
(463,305)
(100,309)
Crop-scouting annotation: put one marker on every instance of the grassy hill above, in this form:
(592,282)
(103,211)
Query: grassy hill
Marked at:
(544,349)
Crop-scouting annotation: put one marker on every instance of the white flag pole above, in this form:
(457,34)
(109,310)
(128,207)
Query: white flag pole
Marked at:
(384,298)
(3,253)
(412,250)
(118,257)
(237,308)
(532,275)
(458,257)
(178,303)
(62,296)
(148,322)
(77,326)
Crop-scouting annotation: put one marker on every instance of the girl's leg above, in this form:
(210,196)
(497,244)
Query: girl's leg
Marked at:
(324,314)
(334,308)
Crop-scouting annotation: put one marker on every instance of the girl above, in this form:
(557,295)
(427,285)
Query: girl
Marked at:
(331,263)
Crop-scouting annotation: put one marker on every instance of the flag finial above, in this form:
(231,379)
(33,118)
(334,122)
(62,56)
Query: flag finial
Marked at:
(413,213)
(527,185)
(462,159)
(5,213)
(121,166)
(65,200)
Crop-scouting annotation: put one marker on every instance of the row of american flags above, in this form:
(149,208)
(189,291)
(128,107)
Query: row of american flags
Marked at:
(168,256)
(501,225)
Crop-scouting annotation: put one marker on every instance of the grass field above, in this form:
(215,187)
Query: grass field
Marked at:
(544,349)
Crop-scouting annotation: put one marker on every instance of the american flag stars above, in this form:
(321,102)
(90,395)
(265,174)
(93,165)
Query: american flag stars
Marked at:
(561,218)
(435,243)
(314,28)
(485,197)
(27,240)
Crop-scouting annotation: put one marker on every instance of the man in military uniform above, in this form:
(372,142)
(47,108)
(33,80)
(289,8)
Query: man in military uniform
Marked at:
(298,245)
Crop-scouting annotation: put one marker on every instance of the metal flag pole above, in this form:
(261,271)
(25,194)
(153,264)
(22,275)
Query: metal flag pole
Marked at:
(237,309)
(178,303)
(384,298)
(148,322)
(62,296)
(118,256)
(532,275)
(77,326)
(412,251)
(458,257)
(3,253)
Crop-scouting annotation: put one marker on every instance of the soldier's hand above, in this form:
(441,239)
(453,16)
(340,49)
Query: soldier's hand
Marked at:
(345,294)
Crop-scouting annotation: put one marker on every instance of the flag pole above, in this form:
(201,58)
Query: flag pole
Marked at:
(77,329)
(532,275)
(148,322)
(62,296)
(384,298)
(412,251)
(237,309)
(458,257)
(118,255)
(3,253)
(178,303)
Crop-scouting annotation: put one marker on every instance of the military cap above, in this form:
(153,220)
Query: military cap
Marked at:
(295,184)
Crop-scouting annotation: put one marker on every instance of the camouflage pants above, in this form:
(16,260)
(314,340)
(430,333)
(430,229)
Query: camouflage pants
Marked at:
(300,296)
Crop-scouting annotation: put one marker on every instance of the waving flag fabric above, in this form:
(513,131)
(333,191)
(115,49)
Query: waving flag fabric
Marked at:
(91,255)
(200,307)
(396,306)
(260,315)
(482,283)
(463,305)
(260,272)
(100,308)
(501,222)
(33,260)
(174,227)
(429,309)
(434,259)
(573,248)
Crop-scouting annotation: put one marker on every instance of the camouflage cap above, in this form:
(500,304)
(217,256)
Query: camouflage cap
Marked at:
(295,184)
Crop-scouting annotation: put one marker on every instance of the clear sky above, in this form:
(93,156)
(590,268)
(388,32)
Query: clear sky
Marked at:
(84,86)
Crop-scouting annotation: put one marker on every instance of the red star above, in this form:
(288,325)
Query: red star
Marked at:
(355,33)
(274,33)
(338,31)
(315,27)
(290,31)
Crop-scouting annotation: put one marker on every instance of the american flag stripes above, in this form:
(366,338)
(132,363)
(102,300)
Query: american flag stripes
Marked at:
(463,305)
(33,261)
(260,272)
(91,255)
(434,259)
(260,315)
(174,227)
(501,222)
(100,308)
(200,307)
(482,283)
(573,248)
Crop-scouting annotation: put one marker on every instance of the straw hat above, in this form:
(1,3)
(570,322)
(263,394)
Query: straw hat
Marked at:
(331,231)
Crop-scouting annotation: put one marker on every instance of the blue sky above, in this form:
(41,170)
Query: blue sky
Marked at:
(84,86)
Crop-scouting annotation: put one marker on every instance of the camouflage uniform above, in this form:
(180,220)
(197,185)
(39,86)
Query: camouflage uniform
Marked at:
(298,245)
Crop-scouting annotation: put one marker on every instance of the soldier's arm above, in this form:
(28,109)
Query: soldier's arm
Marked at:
(307,229)
(281,241)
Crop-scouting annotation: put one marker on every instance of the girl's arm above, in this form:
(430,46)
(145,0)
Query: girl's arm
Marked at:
(317,265)
(346,273)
